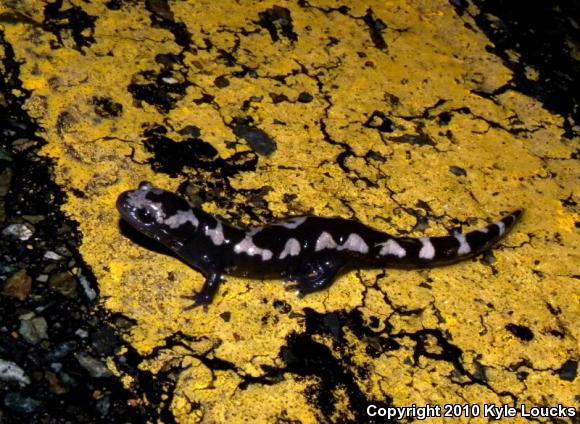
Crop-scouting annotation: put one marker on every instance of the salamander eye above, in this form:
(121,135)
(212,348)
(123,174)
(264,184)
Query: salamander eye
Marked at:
(144,185)
(145,216)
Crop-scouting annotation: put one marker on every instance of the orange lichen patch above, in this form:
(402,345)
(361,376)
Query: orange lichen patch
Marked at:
(385,134)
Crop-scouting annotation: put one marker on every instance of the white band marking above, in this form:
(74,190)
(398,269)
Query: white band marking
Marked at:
(427,251)
(325,241)
(391,247)
(464,247)
(217,234)
(355,243)
(248,247)
(292,248)
(501,227)
(180,218)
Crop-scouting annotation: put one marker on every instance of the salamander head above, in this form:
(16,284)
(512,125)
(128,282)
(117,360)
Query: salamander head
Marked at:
(158,214)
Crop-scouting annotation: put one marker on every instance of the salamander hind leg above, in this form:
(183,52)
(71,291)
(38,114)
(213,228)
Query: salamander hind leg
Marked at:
(207,293)
(314,275)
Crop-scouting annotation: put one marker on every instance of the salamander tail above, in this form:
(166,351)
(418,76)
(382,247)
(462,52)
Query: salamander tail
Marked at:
(429,251)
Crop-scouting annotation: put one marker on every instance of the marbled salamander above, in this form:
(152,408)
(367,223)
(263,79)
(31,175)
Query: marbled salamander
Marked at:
(308,251)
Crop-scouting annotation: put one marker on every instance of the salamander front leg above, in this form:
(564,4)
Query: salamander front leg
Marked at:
(207,293)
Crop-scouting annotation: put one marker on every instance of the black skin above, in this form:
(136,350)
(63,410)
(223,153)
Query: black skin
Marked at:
(148,208)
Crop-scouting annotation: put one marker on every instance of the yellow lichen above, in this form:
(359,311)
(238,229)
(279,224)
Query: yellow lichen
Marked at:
(431,57)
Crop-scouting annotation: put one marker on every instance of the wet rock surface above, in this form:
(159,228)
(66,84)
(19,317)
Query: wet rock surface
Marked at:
(264,111)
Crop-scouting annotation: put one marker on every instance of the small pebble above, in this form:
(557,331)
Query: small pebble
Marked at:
(53,256)
(221,82)
(103,405)
(22,144)
(94,366)
(90,293)
(42,278)
(18,285)
(56,366)
(457,171)
(9,371)
(54,384)
(33,328)
(34,219)
(63,350)
(20,231)
(261,142)
(64,283)
(5,179)
(83,334)
(305,97)
(24,405)
(4,155)
(569,370)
